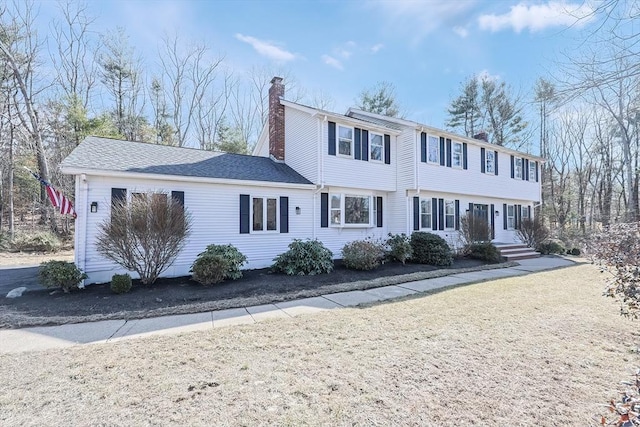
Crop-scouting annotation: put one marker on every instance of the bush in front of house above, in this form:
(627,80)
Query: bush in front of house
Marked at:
(532,232)
(210,268)
(306,257)
(550,247)
(485,251)
(430,249)
(41,241)
(120,283)
(399,247)
(60,274)
(363,254)
(234,258)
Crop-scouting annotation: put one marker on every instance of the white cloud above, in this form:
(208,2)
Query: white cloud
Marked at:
(376,47)
(461,31)
(268,49)
(332,62)
(538,17)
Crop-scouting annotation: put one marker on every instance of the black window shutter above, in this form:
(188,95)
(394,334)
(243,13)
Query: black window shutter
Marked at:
(324,210)
(332,138)
(365,145)
(493,223)
(416,213)
(178,197)
(423,147)
(118,195)
(495,162)
(518,216)
(284,214)
(387,149)
(524,174)
(513,167)
(378,211)
(504,216)
(434,214)
(244,214)
(526,168)
(482,162)
(470,208)
(457,214)
(536,171)
(356,144)
(440,214)
(448,153)
(442,152)
(464,155)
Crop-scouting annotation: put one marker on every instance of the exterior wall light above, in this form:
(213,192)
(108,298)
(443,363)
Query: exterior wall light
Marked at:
(94,207)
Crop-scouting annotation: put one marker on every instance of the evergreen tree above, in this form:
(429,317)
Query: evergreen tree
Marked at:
(380,99)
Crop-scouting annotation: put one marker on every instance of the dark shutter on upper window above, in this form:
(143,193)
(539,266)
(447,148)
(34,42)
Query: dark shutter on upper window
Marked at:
(464,155)
(357,146)
(493,222)
(524,173)
(536,171)
(365,145)
(324,210)
(244,214)
(504,216)
(457,215)
(448,153)
(442,151)
(526,169)
(434,214)
(416,213)
(423,147)
(495,162)
(440,214)
(284,214)
(482,160)
(513,167)
(378,211)
(387,149)
(332,138)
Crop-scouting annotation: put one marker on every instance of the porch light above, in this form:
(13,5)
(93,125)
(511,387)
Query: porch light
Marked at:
(298,210)
(497,213)
(94,207)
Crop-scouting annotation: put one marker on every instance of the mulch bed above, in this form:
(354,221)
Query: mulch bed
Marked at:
(182,295)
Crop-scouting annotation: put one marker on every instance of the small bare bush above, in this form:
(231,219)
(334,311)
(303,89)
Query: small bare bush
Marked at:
(144,235)
(532,232)
(474,229)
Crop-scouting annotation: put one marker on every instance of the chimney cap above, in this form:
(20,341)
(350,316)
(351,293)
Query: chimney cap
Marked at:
(276,80)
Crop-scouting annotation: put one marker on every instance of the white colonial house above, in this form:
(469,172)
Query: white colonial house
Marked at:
(313,174)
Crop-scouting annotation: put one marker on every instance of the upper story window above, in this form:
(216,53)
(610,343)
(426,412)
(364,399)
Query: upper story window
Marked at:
(490,162)
(511,217)
(433,149)
(456,155)
(425,213)
(449,214)
(345,141)
(518,168)
(532,170)
(376,147)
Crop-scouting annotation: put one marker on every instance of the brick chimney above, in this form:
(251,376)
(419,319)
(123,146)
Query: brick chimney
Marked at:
(482,136)
(276,119)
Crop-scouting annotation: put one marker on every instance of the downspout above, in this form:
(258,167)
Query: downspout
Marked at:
(82,187)
(320,175)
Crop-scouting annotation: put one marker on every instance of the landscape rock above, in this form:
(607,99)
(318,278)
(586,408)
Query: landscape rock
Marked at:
(17,292)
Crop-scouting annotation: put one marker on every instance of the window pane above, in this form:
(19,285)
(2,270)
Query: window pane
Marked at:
(532,171)
(356,210)
(344,147)
(271,214)
(510,210)
(335,216)
(456,154)
(449,221)
(450,207)
(489,165)
(335,202)
(345,133)
(434,150)
(376,147)
(258,210)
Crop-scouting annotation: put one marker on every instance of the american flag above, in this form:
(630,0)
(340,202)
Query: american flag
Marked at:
(57,198)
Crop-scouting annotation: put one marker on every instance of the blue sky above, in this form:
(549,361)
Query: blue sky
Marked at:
(425,48)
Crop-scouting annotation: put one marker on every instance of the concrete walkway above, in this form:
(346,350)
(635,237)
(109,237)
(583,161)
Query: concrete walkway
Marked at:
(47,337)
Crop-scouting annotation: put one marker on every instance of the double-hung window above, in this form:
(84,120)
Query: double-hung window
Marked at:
(511,217)
(449,214)
(519,168)
(345,141)
(265,214)
(490,162)
(336,209)
(456,155)
(433,149)
(425,213)
(525,212)
(376,147)
(350,210)
(532,170)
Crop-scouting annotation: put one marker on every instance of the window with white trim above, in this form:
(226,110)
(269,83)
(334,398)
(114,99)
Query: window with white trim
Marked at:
(449,214)
(376,147)
(456,154)
(511,217)
(264,213)
(433,149)
(425,213)
(345,141)
(518,167)
(525,212)
(532,170)
(489,166)
(350,210)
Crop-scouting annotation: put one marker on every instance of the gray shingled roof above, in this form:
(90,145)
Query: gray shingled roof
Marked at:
(115,155)
(375,120)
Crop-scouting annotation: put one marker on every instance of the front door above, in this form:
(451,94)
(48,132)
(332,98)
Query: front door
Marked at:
(482,212)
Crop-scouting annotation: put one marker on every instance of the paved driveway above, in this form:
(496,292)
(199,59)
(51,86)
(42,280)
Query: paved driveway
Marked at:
(14,277)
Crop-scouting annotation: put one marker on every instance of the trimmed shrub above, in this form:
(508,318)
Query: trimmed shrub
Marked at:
(399,247)
(42,241)
(120,283)
(363,254)
(304,258)
(60,274)
(210,268)
(485,251)
(235,259)
(550,247)
(430,249)
(575,251)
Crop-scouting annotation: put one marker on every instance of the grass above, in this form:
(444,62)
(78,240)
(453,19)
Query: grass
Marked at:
(543,349)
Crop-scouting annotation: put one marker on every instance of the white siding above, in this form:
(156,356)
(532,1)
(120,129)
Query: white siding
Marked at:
(301,143)
(215,211)
(405,173)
